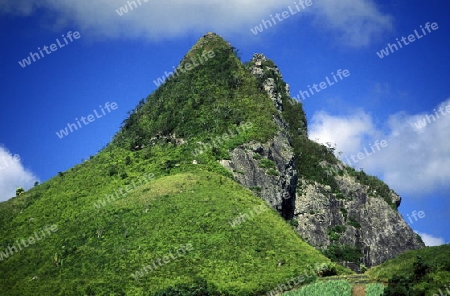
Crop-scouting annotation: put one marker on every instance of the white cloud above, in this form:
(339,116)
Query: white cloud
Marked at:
(356,22)
(347,132)
(13,175)
(430,240)
(416,161)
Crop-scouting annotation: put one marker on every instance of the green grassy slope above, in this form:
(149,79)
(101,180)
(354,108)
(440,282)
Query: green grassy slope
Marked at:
(96,251)
(425,278)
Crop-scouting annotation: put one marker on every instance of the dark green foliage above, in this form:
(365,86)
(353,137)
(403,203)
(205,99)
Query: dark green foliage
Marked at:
(256,156)
(418,272)
(339,195)
(335,232)
(308,155)
(344,212)
(339,253)
(266,163)
(293,222)
(352,221)
(401,285)
(333,236)
(398,286)
(19,191)
(269,165)
(128,160)
(113,170)
(330,270)
(420,268)
(339,228)
(272,172)
(255,188)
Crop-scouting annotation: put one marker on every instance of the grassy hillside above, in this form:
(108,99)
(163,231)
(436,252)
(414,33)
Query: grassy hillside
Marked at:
(418,272)
(97,251)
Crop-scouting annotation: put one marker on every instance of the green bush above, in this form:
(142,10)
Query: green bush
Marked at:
(335,232)
(333,236)
(330,270)
(20,191)
(266,163)
(255,188)
(339,228)
(339,253)
(339,195)
(421,268)
(398,286)
(405,285)
(351,221)
(272,172)
(344,212)
(256,156)
(293,222)
(416,272)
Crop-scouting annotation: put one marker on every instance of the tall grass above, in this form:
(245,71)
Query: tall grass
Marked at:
(338,288)
(374,289)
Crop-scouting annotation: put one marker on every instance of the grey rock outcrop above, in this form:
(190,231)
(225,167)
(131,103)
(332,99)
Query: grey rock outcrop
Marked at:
(353,217)
(251,167)
(268,168)
(371,225)
(259,69)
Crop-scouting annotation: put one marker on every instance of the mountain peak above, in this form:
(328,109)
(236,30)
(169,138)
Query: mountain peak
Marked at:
(212,37)
(207,43)
(223,142)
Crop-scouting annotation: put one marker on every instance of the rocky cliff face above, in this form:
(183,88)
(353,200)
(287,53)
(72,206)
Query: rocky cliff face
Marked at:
(358,219)
(268,168)
(355,217)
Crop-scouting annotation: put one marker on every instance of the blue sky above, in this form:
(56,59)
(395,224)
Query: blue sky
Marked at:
(116,59)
